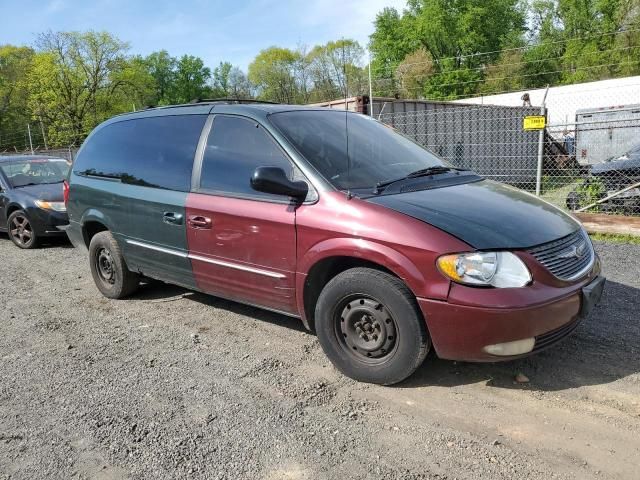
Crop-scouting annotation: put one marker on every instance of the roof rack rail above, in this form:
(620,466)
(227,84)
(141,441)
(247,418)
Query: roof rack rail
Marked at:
(230,101)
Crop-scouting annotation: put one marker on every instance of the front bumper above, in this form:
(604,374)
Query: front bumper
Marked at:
(48,223)
(461,332)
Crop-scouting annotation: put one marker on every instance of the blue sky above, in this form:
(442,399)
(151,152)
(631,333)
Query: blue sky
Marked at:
(215,30)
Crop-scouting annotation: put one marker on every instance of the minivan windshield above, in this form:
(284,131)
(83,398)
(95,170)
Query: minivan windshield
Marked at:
(22,173)
(376,152)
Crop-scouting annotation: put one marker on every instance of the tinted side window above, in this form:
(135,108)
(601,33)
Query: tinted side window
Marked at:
(235,148)
(151,152)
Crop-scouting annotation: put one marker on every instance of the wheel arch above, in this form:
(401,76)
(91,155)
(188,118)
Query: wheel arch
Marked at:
(330,258)
(93,222)
(14,206)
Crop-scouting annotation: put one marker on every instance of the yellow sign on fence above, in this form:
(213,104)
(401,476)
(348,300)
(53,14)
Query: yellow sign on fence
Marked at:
(534,122)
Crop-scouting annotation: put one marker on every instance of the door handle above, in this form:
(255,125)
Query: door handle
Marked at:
(199,221)
(172,218)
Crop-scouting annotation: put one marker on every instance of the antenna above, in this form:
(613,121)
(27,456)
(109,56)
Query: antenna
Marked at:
(346,119)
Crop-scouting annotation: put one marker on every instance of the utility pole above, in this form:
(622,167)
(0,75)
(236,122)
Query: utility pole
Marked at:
(44,137)
(30,141)
(370,88)
(344,73)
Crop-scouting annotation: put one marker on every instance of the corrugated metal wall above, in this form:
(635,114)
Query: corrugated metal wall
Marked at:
(486,138)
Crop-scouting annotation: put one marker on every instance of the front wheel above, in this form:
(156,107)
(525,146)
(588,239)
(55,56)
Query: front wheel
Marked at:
(108,268)
(21,230)
(370,327)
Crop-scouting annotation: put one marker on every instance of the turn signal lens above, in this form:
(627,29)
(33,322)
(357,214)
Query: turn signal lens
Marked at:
(490,269)
(55,206)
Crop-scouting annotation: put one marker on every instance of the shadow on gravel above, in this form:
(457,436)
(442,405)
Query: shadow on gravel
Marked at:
(53,242)
(603,349)
(156,291)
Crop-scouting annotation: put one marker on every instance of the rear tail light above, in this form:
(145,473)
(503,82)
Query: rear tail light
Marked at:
(65,192)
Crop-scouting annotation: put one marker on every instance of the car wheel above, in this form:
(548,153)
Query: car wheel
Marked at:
(108,268)
(369,325)
(21,231)
(574,201)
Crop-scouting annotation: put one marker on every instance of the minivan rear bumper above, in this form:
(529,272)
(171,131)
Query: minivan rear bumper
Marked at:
(74,232)
(461,332)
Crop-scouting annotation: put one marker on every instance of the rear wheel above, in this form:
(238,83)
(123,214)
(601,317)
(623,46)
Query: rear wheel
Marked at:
(108,268)
(21,231)
(370,327)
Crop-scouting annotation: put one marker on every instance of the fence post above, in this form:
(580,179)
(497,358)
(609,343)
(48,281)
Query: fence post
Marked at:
(30,142)
(44,137)
(543,112)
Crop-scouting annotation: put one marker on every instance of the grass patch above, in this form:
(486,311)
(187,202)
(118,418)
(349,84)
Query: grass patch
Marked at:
(616,238)
(558,195)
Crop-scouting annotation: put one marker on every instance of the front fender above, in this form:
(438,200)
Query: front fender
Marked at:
(418,280)
(370,251)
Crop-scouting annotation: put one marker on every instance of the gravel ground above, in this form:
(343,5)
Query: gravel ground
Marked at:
(174,384)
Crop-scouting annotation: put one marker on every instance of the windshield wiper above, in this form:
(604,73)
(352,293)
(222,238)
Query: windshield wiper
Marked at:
(435,170)
(25,185)
(37,183)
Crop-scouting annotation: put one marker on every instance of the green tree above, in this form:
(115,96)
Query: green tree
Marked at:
(162,67)
(221,79)
(191,80)
(275,73)
(414,72)
(76,81)
(392,40)
(239,84)
(335,70)
(457,34)
(15,63)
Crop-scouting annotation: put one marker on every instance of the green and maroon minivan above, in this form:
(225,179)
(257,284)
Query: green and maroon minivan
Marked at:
(378,245)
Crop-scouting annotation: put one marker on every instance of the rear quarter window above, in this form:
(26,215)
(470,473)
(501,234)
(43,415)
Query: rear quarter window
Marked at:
(153,152)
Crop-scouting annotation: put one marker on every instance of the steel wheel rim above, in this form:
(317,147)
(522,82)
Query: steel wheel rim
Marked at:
(366,329)
(105,266)
(21,230)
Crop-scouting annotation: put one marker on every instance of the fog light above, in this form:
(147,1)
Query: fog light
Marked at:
(517,347)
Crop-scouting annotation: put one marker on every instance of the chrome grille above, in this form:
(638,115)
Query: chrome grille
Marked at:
(568,258)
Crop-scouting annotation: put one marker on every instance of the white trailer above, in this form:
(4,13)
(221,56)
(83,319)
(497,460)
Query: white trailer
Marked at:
(605,133)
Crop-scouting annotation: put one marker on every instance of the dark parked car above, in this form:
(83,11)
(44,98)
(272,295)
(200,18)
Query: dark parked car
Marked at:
(373,241)
(607,178)
(31,200)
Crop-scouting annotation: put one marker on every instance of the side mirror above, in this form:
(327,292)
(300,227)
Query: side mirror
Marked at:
(273,180)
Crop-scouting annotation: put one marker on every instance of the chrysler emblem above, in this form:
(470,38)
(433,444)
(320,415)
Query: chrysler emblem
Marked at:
(574,251)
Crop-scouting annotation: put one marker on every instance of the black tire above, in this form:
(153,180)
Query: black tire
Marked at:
(369,325)
(20,230)
(574,201)
(108,268)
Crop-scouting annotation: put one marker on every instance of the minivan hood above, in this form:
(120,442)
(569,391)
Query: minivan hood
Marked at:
(48,192)
(485,214)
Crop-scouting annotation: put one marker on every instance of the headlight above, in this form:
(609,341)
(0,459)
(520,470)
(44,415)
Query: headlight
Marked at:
(489,269)
(55,206)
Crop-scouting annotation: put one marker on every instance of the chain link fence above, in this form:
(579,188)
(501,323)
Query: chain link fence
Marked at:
(68,153)
(586,158)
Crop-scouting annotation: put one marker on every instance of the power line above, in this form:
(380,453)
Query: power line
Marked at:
(485,67)
(538,74)
(525,47)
